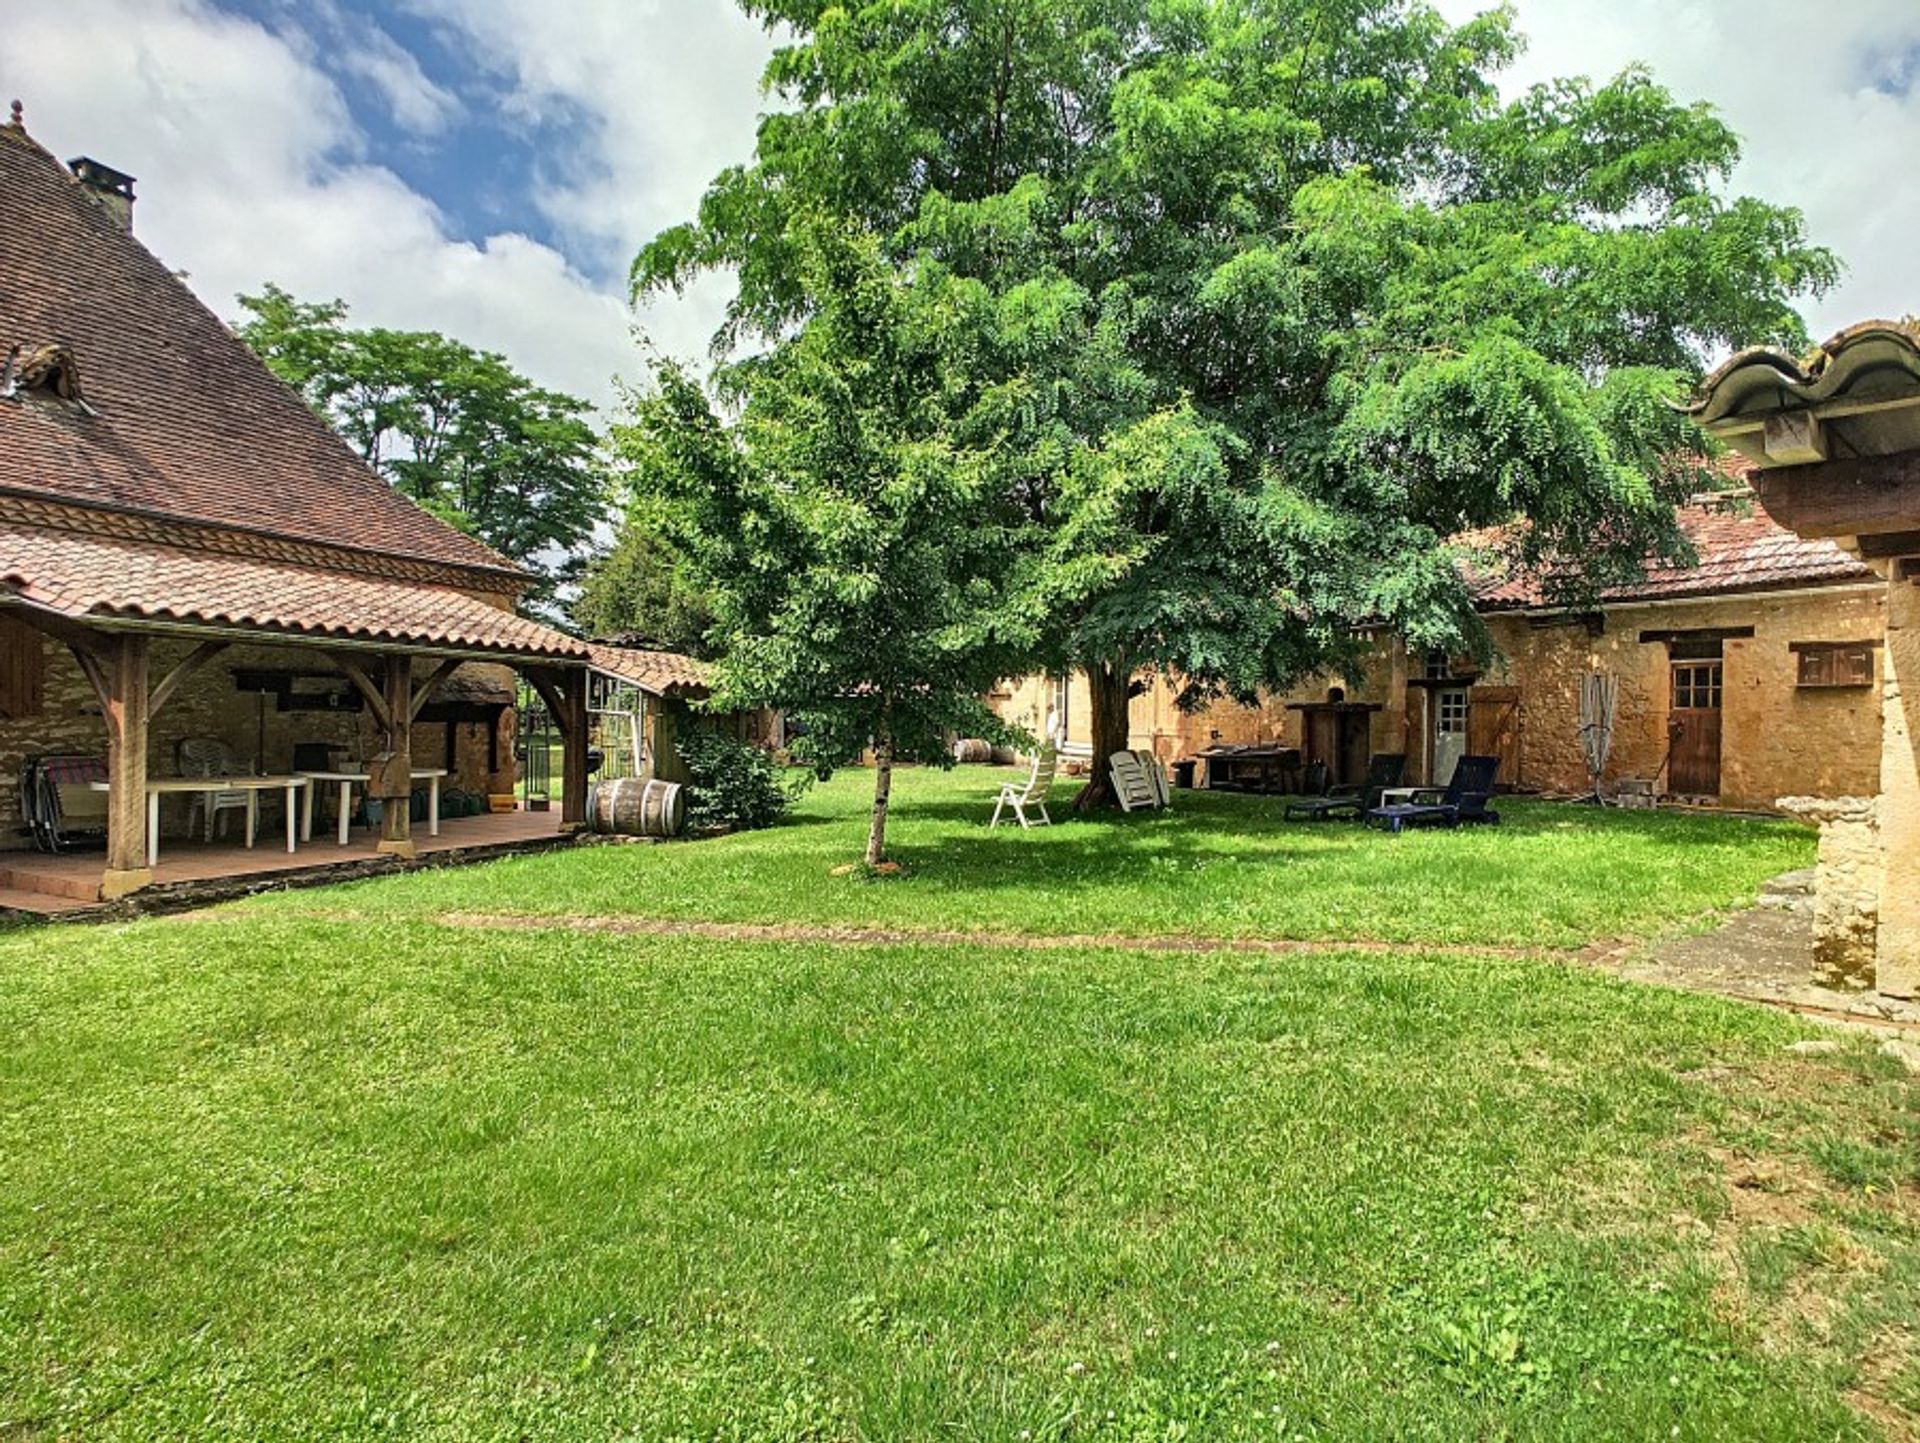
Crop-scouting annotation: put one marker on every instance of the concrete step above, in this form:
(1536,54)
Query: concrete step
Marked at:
(51,881)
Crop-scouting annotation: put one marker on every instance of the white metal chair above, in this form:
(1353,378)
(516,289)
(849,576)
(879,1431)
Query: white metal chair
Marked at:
(209,757)
(1030,793)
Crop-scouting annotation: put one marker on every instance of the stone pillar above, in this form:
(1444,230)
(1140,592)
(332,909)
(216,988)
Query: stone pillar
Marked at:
(1899,951)
(1846,888)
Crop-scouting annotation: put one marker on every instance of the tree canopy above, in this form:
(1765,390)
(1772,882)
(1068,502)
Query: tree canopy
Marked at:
(843,523)
(457,429)
(1293,313)
(640,590)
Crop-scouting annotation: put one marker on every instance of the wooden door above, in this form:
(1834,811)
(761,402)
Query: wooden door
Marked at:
(1323,739)
(1693,725)
(1493,729)
(1356,739)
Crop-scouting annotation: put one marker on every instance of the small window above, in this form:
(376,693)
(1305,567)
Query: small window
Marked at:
(1697,687)
(22,671)
(1835,664)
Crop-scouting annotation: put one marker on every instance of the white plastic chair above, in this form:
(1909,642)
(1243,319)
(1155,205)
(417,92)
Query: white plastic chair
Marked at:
(1030,793)
(208,757)
(1131,784)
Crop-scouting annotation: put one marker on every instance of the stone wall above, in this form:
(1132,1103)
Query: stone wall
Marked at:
(208,705)
(1846,888)
(1777,738)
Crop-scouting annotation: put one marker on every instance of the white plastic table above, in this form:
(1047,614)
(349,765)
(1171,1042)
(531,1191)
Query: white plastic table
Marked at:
(158,787)
(430,775)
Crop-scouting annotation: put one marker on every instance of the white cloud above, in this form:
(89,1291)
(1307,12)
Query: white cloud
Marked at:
(671,89)
(412,98)
(251,169)
(1799,87)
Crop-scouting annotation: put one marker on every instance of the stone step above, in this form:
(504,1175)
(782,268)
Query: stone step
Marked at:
(1789,892)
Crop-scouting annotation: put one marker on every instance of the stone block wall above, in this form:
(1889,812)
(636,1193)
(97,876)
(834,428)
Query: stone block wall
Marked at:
(1848,880)
(1777,739)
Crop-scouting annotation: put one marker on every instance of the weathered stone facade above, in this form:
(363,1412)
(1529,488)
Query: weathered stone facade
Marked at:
(1777,738)
(261,737)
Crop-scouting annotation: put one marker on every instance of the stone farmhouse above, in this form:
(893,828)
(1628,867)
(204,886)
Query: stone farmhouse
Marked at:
(1747,677)
(189,555)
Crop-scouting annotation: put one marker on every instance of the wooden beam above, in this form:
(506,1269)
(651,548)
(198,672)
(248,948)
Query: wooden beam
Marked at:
(420,693)
(94,668)
(125,708)
(1891,546)
(72,634)
(548,686)
(392,772)
(1698,633)
(376,699)
(194,660)
(1863,496)
(573,785)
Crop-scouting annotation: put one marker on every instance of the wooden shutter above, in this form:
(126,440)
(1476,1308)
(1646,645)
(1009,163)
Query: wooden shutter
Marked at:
(1493,729)
(22,671)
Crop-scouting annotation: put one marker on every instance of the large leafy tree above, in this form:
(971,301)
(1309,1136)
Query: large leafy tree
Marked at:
(457,429)
(842,517)
(641,590)
(1300,302)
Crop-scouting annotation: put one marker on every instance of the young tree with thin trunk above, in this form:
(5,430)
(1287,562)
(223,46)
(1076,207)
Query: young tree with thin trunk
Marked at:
(844,522)
(1292,299)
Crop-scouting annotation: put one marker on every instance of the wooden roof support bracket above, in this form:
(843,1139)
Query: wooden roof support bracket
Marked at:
(171,683)
(439,674)
(376,699)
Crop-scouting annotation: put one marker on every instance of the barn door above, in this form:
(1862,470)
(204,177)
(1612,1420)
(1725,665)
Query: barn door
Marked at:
(1694,728)
(1356,739)
(1493,728)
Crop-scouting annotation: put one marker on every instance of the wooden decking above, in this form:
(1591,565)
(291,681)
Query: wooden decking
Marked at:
(191,873)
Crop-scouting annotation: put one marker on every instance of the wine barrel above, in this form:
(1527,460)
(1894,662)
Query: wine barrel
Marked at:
(972,749)
(630,807)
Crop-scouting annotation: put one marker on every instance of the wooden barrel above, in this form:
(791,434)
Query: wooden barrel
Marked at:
(630,807)
(972,749)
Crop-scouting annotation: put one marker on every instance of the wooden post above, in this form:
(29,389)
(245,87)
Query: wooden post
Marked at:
(573,787)
(391,773)
(122,681)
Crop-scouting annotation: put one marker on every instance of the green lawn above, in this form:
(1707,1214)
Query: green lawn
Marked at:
(323,1168)
(1218,865)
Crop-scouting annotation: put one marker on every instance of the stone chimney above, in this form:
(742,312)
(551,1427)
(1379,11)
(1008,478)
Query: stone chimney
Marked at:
(113,189)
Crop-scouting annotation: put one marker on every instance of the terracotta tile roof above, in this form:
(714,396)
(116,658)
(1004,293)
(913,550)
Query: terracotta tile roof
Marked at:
(84,577)
(1740,549)
(664,673)
(181,419)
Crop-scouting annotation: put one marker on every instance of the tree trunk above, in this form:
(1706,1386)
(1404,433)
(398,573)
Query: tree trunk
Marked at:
(882,786)
(1110,688)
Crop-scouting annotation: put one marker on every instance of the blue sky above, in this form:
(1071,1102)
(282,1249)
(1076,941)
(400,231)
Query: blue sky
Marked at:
(489,167)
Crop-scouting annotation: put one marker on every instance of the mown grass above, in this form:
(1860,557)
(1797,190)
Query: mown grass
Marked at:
(1217,865)
(266,1178)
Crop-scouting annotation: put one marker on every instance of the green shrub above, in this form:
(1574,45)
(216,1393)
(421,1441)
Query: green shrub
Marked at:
(732,784)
